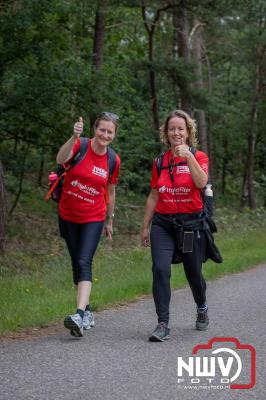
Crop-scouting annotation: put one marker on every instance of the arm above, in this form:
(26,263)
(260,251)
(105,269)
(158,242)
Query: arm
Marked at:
(65,153)
(149,211)
(108,226)
(199,177)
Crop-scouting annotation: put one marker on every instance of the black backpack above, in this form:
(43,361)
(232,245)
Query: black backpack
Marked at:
(207,200)
(55,189)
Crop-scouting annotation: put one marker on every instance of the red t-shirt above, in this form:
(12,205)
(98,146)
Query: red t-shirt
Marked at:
(82,198)
(181,196)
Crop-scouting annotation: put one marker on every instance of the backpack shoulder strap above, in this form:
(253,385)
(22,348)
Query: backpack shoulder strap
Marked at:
(193,150)
(111,155)
(84,141)
(159,163)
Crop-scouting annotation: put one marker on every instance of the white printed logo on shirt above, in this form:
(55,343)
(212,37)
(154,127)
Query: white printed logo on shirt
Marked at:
(85,188)
(99,171)
(179,190)
(182,169)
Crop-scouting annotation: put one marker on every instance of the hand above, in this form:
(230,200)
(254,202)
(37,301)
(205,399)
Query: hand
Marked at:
(108,230)
(145,237)
(182,149)
(78,128)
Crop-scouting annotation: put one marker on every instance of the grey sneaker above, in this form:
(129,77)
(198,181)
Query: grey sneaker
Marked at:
(88,320)
(202,321)
(75,324)
(160,333)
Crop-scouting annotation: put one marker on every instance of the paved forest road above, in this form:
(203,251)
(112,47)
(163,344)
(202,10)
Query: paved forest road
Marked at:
(114,360)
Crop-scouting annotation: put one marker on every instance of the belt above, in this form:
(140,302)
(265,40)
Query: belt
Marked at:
(193,221)
(183,216)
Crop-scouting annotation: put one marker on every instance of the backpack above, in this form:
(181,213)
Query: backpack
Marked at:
(56,187)
(207,200)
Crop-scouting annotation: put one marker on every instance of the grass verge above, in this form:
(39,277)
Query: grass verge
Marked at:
(35,273)
(45,295)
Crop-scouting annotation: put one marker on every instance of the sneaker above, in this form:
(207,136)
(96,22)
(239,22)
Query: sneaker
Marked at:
(75,324)
(161,333)
(202,321)
(88,320)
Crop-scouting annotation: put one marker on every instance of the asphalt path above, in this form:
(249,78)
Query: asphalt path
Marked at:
(115,361)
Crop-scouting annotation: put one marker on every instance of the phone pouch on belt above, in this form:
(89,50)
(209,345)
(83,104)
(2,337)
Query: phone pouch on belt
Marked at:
(188,238)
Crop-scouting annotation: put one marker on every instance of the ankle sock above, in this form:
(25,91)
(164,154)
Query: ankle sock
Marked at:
(88,308)
(203,308)
(164,322)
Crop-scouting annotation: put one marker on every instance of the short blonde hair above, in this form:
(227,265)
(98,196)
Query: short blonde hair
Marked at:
(190,124)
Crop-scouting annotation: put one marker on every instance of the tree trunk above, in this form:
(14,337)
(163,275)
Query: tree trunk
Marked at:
(198,56)
(15,144)
(154,101)
(98,40)
(176,56)
(210,122)
(224,164)
(20,183)
(150,28)
(2,209)
(248,191)
(248,183)
(97,55)
(225,143)
(40,173)
(180,25)
(210,152)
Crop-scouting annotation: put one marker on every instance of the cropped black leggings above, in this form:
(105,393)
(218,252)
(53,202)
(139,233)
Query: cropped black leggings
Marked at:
(162,248)
(82,241)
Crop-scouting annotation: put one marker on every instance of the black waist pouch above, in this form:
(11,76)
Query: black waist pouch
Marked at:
(184,228)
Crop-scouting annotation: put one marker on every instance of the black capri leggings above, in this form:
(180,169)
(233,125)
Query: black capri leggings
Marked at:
(82,241)
(162,248)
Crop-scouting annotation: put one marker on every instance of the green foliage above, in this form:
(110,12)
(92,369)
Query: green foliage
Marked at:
(47,81)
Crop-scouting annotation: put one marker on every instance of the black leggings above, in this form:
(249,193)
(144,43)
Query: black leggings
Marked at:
(163,238)
(82,241)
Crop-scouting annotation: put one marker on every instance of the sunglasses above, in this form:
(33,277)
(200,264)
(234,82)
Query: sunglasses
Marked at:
(113,116)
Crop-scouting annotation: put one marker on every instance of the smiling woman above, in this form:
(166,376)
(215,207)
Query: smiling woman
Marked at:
(174,119)
(105,130)
(83,210)
(178,226)
(177,131)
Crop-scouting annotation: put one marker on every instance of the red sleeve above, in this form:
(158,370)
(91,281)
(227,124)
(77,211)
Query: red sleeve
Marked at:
(154,176)
(76,147)
(113,179)
(74,151)
(203,161)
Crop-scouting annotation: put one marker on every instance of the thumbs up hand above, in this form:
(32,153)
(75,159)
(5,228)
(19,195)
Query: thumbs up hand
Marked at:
(78,128)
(182,149)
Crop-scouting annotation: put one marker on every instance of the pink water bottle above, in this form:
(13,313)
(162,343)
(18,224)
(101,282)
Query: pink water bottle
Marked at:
(52,178)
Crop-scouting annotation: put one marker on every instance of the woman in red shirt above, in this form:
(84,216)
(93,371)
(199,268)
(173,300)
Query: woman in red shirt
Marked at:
(83,213)
(175,211)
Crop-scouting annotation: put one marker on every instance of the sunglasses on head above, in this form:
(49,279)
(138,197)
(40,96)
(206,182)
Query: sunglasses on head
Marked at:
(113,116)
